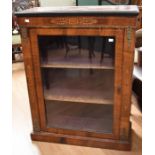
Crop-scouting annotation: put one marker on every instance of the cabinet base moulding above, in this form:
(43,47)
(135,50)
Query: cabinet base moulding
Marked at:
(82,141)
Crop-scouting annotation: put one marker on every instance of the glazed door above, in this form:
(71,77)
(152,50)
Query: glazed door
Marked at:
(78,80)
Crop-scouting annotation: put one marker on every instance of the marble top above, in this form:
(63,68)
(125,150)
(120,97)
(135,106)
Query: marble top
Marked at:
(130,10)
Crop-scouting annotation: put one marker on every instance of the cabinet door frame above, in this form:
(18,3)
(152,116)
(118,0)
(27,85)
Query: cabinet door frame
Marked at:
(119,41)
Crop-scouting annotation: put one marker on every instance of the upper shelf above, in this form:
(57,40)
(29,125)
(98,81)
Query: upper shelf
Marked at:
(125,10)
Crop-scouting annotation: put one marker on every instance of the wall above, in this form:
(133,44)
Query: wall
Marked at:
(73,2)
(57,2)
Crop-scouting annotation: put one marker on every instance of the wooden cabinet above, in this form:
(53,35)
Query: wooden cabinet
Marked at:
(79,63)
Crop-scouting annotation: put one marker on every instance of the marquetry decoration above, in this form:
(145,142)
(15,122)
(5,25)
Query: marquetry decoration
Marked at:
(73,21)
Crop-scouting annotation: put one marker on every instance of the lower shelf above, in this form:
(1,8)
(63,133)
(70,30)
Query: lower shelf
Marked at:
(97,118)
(82,141)
(79,85)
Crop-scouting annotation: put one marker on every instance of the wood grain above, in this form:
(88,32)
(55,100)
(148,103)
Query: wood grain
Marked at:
(128,61)
(26,45)
(65,21)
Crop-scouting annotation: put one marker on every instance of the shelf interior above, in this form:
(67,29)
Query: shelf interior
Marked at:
(59,60)
(78,82)
(79,85)
(76,52)
(77,116)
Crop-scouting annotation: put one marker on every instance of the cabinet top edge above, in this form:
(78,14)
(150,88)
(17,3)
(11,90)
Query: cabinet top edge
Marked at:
(119,10)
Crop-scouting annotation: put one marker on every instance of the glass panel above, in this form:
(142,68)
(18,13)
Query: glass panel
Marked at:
(80,85)
(78,82)
(78,116)
(83,52)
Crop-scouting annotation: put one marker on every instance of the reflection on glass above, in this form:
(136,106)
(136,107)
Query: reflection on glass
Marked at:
(77,51)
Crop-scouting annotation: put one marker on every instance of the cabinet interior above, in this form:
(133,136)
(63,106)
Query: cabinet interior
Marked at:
(78,82)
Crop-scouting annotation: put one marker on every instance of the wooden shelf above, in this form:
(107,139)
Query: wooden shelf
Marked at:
(80,85)
(58,59)
(76,96)
(78,116)
(71,65)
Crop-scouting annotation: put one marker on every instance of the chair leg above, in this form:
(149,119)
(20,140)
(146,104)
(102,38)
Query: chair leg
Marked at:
(79,43)
(66,46)
(91,47)
(46,78)
(103,49)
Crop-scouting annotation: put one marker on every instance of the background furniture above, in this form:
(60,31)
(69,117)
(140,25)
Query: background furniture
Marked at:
(18,5)
(85,101)
(137,72)
(103,2)
(16,48)
(114,2)
(16,42)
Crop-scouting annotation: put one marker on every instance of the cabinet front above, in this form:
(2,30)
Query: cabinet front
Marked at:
(78,80)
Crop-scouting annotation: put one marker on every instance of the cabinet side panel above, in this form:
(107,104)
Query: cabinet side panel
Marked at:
(37,77)
(30,78)
(128,60)
(118,80)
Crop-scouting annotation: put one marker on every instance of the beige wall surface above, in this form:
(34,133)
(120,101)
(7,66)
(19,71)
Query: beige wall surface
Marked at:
(47,3)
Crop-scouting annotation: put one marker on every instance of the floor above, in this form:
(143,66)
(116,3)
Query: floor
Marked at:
(22,127)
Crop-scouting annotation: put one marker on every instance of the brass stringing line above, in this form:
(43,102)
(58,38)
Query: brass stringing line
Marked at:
(82,26)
